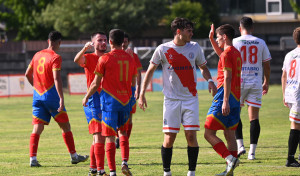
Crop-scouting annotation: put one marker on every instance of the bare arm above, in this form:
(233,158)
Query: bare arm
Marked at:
(138,85)
(29,74)
(214,44)
(227,90)
(206,74)
(92,89)
(58,85)
(267,71)
(149,74)
(283,84)
(79,58)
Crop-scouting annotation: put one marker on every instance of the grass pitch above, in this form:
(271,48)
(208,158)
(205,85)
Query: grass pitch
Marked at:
(145,141)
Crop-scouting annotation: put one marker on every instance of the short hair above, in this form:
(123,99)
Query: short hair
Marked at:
(226,29)
(116,36)
(54,36)
(246,22)
(181,23)
(126,36)
(296,35)
(96,33)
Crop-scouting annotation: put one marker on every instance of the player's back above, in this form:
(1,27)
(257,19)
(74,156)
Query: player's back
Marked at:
(118,69)
(254,52)
(43,64)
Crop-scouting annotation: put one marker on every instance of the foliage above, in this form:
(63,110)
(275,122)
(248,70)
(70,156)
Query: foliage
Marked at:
(21,18)
(295,7)
(193,11)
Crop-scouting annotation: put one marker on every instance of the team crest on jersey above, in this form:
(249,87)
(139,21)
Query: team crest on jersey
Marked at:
(171,56)
(191,55)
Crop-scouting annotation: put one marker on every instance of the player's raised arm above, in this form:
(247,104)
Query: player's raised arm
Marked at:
(79,58)
(214,44)
(267,72)
(58,85)
(149,74)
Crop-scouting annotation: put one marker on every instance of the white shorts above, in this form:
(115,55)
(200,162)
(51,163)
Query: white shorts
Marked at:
(176,112)
(294,112)
(252,97)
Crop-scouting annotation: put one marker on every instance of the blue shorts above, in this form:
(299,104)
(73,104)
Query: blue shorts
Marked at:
(133,101)
(43,110)
(92,110)
(114,120)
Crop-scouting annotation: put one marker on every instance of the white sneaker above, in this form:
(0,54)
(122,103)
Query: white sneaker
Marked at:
(251,156)
(223,174)
(191,173)
(231,166)
(241,151)
(168,173)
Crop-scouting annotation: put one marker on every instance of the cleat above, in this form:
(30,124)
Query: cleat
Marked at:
(251,156)
(168,173)
(79,159)
(92,172)
(125,170)
(99,173)
(223,173)
(35,163)
(117,143)
(231,166)
(241,151)
(292,163)
(191,173)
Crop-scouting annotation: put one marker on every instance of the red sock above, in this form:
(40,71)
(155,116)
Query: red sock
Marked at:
(99,154)
(221,149)
(33,144)
(129,130)
(234,153)
(111,155)
(92,157)
(69,141)
(124,144)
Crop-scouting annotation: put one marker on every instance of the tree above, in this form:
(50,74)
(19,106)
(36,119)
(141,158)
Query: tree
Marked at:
(295,7)
(21,18)
(193,11)
(86,16)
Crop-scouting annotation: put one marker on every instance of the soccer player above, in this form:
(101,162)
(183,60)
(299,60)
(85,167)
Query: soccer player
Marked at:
(291,97)
(224,113)
(136,89)
(256,64)
(92,111)
(43,73)
(117,72)
(179,58)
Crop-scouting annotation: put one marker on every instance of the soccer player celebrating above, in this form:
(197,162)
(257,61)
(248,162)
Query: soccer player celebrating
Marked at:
(135,90)
(117,72)
(256,61)
(43,73)
(291,98)
(93,111)
(179,58)
(224,113)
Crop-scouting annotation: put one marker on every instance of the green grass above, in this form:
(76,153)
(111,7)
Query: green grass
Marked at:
(145,142)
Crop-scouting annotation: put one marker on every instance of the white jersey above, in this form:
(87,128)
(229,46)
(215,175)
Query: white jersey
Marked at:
(254,52)
(291,65)
(179,68)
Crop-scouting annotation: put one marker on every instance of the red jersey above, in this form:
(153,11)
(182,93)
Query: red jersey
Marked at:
(91,61)
(137,62)
(117,68)
(230,59)
(43,63)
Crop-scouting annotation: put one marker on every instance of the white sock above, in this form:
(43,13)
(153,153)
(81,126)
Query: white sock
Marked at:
(32,158)
(112,173)
(102,171)
(229,158)
(124,162)
(167,173)
(240,143)
(252,149)
(74,155)
(191,173)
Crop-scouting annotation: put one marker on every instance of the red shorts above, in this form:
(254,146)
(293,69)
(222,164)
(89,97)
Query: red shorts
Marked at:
(94,126)
(61,117)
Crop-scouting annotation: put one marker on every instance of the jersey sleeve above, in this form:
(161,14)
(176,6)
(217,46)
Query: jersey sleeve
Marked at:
(100,68)
(56,63)
(227,62)
(137,62)
(266,53)
(200,59)
(157,56)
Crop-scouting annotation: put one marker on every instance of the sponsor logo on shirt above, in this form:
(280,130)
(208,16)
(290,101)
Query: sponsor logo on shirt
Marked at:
(246,42)
(181,68)
(191,55)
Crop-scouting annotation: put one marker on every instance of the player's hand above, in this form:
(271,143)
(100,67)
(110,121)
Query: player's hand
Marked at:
(137,95)
(265,89)
(88,45)
(129,51)
(285,104)
(225,108)
(84,101)
(142,102)
(212,88)
(61,105)
(211,32)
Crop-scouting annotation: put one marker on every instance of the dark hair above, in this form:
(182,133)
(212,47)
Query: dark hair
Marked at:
(95,33)
(247,23)
(54,36)
(296,35)
(116,36)
(226,29)
(180,23)
(126,36)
